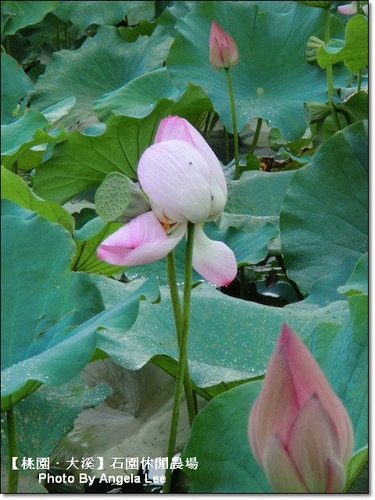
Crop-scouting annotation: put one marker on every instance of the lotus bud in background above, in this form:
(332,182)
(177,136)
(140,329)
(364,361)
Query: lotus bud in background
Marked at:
(350,9)
(223,49)
(299,430)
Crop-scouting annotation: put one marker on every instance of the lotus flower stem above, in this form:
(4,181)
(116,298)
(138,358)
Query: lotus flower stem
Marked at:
(183,355)
(171,271)
(256,136)
(12,449)
(234,122)
(359,81)
(329,70)
(226,146)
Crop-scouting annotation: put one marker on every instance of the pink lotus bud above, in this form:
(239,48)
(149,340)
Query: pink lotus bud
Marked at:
(223,49)
(348,9)
(299,430)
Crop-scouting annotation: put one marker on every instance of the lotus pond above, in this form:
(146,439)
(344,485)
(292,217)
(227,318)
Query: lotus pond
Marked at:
(184,247)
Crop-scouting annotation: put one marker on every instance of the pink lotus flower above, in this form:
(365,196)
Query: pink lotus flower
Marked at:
(185,183)
(299,430)
(223,49)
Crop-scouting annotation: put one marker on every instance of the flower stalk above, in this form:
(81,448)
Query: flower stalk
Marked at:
(329,70)
(183,354)
(234,124)
(186,186)
(178,318)
(256,136)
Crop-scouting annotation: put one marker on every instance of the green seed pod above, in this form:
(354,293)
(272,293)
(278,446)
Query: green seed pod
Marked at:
(119,199)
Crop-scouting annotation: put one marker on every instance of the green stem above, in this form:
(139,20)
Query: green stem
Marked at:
(12,449)
(207,124)
(234,122)
(171,273)
(226,146)
(183,357)
(178,319)
(329,70)
(359,81)
(256,136)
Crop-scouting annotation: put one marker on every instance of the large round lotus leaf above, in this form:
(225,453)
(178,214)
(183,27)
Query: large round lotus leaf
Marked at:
(324,216)
(272,79)
(142,94)
(103,63)
(229,340)
(42,303)
(50,315)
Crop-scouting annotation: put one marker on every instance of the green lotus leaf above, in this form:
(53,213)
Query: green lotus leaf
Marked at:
(39,432)
(140,96)
(15,189)
(27,154)
(219,432)
(256,199)
(358,280)
(40,306)
(18,15)
(50,315)
(20,131)
(219,440)
(87,240)
(325,210)
(356,106)
(230,339)
(85,14)
(106,62)
(82,162)
(347,346)
(12,94)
